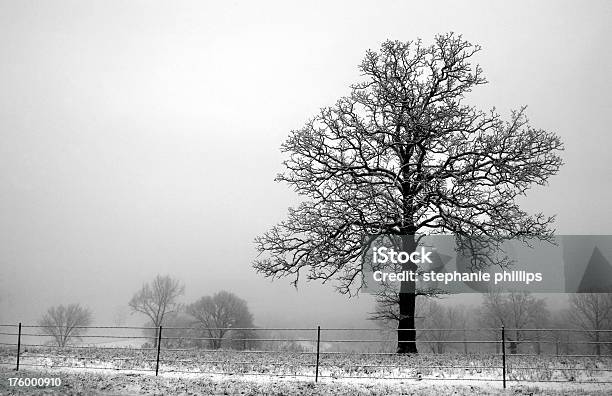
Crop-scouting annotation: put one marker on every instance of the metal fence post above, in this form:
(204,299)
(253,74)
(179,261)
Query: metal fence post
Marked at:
(18,346)
(503,335)
(318,347)
(158,349)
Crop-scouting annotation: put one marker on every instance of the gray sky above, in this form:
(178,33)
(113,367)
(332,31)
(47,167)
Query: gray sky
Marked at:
(143,137)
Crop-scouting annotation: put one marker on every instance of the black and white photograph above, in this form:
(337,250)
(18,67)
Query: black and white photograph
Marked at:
(305,197)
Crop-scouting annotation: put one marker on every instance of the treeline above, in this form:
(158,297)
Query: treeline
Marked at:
(223,320)
(530,326)
(215,321)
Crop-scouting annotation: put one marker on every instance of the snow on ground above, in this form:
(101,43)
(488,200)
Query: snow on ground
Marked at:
(106,382)
(133,371)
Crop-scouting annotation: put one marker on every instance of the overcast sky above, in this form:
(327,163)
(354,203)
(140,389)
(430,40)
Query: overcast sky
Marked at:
(142,137)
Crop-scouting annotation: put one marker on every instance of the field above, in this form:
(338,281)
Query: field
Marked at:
(145,384)
(192,372)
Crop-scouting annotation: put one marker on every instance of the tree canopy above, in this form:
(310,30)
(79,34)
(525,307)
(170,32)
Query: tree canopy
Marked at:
(64,323)
(219,313)
(403,154)
(158,298)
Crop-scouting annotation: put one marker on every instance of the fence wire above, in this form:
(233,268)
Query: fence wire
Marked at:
(163,351)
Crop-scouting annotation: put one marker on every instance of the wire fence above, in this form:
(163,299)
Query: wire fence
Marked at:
(485,354)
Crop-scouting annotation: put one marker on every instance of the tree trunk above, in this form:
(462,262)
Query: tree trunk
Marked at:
(406,334)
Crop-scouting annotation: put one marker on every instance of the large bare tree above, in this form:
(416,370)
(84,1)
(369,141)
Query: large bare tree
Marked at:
(216,315)
(157,299)
(403,154)
(64,323)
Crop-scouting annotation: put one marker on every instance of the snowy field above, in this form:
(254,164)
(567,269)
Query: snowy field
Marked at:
(129,371)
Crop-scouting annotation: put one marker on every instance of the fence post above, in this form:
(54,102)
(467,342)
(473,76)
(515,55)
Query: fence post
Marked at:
(158,349)
(503,335)
(18,346)
(318,346)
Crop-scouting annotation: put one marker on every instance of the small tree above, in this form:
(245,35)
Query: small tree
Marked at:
(64,323)
(563,339)
(443,322)
(157,299)
(592,312)
(515,311)
(217,314)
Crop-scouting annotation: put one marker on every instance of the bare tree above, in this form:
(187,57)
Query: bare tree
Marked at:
(439,319)
(515,311)
(402,155)
(564,339)
(157,299)
(447,323)
(64,323)
(592,312)
(217,314)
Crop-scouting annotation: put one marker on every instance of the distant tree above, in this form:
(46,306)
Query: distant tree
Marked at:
(64,323)
(444,322)
(157,299)
(592,312)
(216,315)
(515,311)
(563,339)
(403,154)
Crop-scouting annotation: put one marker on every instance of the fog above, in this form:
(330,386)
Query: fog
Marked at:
(143,137)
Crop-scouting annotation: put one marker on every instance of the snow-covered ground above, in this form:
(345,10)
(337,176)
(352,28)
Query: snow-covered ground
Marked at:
(380,373)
